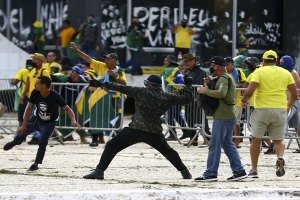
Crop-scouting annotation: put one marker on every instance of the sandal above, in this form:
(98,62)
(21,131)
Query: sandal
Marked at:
(296,151)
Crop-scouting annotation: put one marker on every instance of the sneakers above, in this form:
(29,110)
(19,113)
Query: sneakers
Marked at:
(33,168)
(253,174)
(8,146)
(270,151)
(280,167)
(238,176)
(206,178)
(186,174)
(96,174)
(33,141)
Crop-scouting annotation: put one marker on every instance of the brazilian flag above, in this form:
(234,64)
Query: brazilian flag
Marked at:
(102,112)
(94,107)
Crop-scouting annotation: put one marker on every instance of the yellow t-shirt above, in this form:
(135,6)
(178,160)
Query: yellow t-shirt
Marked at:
(238,100)
(22,76)
(33,75)
(271,91)
(66,36)
(100,68)
(251,101)
(183,38)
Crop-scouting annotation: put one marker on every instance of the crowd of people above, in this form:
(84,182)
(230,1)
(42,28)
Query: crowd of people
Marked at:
(266,83)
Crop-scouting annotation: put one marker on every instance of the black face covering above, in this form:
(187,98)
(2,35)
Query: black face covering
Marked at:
(183,24)
(33,65)
(211,70)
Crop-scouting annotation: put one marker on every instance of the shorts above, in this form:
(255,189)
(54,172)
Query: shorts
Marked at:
(294,115)
(272,120)
(239,111)
(22,108)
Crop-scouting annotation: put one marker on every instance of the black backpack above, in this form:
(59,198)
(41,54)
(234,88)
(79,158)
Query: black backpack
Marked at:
(210,104)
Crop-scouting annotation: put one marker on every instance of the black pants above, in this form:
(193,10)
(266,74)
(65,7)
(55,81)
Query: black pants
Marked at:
(128,136)
(182,50)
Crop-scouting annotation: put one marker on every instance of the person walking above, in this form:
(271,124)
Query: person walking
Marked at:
(270,83)
(223,124)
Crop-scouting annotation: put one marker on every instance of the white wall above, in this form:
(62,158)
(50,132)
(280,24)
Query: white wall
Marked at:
(12,58)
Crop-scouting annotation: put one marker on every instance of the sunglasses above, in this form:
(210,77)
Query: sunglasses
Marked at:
(146,83)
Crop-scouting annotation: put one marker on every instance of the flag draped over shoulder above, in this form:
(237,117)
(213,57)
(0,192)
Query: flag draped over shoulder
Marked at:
(102,112)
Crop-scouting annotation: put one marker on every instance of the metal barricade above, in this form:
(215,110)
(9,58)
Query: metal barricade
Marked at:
(96,109)
(191,118)
(8,114)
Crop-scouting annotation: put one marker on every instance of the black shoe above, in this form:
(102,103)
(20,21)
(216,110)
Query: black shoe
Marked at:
(94,141)
(33,141)
(33,168)
(280,167)
(8,146)
(186,174)
(93,144)
(270,151)
(96,174)
(206,178)
(238,176)
(171,138)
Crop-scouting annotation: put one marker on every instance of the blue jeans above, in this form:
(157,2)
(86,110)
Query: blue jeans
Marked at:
(221,137)
(45,129)
(136,57)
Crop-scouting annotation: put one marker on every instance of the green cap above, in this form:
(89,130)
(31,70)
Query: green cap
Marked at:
(181,63)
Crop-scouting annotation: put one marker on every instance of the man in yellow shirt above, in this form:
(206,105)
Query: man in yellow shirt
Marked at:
(270,102)
(65,36)
(38,70)
(108,72)
(22,76)
(183,39)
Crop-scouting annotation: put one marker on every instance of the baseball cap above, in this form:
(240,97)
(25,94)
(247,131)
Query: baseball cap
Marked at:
(270,55)
(218,60)
(228,60)
(77,70)
(112,56)
(154,80)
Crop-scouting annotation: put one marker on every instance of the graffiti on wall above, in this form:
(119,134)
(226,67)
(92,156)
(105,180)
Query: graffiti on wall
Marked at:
(52,15)
(22,15)
(113,26)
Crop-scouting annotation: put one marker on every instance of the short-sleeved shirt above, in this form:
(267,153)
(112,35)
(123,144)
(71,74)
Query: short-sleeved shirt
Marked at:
(33,75)
(271,91)
(101,69)
(251,101)
(66,36)
(22,76)
(47,108)
(183,38)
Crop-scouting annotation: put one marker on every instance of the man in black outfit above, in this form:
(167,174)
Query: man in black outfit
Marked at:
(150,102)
(46,115)
(192,111)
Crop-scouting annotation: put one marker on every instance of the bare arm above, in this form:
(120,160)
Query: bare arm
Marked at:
(27,115)
(26,90)
(249,91)
(14,81)
(296,78)
(82,55)
(293,95)
(173,29)
(72,116)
